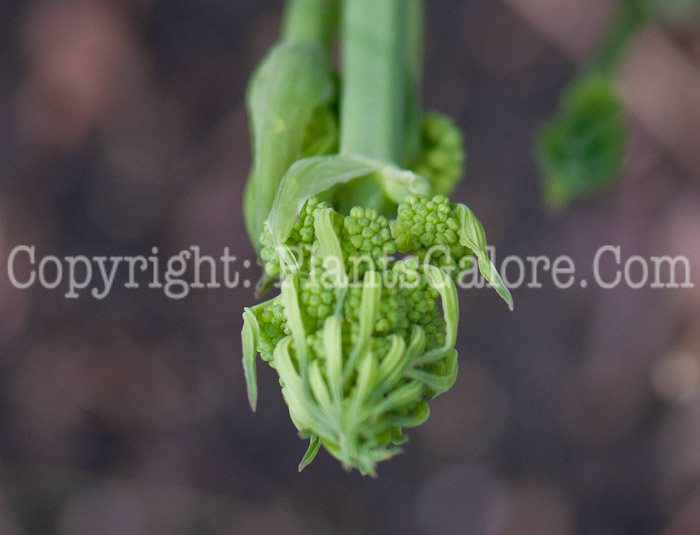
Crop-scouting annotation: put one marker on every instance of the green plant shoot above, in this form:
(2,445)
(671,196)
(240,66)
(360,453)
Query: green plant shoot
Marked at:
(364,242)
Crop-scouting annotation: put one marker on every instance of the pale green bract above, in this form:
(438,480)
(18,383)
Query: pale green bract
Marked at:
(313,176)
(289,101)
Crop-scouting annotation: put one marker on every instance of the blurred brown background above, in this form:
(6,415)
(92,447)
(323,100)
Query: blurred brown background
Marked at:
(122,128)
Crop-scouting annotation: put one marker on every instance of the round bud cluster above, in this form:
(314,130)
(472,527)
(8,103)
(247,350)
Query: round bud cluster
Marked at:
(429,228)
(442,157)
(366,241)
(273,326)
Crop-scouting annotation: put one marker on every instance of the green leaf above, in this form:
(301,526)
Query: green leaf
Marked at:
(417,343)
(314,446)
(398,183)
(320,391)
(441,381)
(304,413)
(411,392)
(249,338)
(321,174)
(472,235)
(307,178)
(445,286)
(290,301)
(419,416)
(392,365)
(369,309)
(293,80)
(330,249)
(366,376)
(333,346)
(580,152)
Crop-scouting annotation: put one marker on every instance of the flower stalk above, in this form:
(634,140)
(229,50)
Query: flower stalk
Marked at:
(374,78)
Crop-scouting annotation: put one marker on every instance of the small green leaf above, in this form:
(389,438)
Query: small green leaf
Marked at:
(304,413)
(320,391)
(369,308)
(419,416)
(407,394)
(318,175)
(472,235)
(398,360)
(307,178)
(398,183)
(416,344)
(314,445)
(332,344)
(366,376)
(580,152)
(392,366)
(249,337)
(329,248)
(290,301)
(439,382)
(444,284)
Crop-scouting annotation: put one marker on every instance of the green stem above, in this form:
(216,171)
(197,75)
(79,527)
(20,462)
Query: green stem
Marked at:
(374,78)
(311,20)
(414,64)
(629,18)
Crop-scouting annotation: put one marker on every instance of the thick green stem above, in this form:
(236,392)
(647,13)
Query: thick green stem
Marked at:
(374,78)
(311,20)
(628,20)
(414,77)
